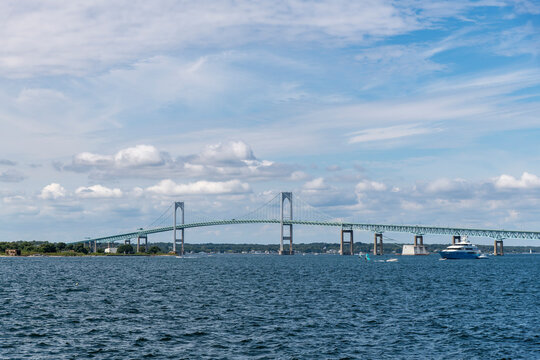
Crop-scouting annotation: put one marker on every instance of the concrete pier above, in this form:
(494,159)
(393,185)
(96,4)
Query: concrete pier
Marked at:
(498,248)
(456,239)
(347,245)
(417,249)
(378,244)
(286,236)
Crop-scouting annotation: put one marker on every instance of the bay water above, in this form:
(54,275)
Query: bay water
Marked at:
(269,307)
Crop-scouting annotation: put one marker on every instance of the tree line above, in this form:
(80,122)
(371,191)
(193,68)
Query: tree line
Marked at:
(45,247)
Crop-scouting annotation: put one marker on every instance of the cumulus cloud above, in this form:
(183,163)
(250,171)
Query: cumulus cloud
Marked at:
(90,159)
(446,185)
(367,185)
(169,188)
(98,191)
(231,151)
(316,184)
(53,191)
(232,159)
(132,157)
(527,181)
(140,155)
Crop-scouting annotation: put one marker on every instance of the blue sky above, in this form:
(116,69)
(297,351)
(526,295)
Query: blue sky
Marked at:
(414,112)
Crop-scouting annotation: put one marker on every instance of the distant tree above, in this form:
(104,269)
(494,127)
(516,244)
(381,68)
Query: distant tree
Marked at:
(125,249)
(70,247)
(100,250)
(154,249)
(80,248)
(61,246)
(47,248)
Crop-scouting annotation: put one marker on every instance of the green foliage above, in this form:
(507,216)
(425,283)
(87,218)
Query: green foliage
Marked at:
(125,249)
(154,250)
(80,248)
(47,248)
(61,246)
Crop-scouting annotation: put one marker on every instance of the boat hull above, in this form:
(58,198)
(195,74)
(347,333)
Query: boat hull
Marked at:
(458,255)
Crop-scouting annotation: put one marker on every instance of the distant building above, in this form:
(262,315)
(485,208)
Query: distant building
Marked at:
(13,252)
(111,250)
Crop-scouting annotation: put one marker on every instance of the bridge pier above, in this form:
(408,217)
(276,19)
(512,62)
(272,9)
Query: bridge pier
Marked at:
(456,239)
(286,235)
(417,249)
(178,205)
(498,248)
(378,244)
(95,246)
(347,245)
(127,242)
(145,237)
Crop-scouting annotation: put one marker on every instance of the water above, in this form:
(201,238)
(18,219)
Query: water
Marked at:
(267,307)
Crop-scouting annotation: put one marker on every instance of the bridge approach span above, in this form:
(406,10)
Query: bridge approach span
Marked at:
(376,228)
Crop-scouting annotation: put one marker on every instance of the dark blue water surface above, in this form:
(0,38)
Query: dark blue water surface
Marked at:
(266,307)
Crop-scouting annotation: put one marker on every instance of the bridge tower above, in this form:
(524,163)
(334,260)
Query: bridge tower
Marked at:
(178,205)
(378,244)
(498,248)
(145,238)
(286,235)
(456,239)
(347,245)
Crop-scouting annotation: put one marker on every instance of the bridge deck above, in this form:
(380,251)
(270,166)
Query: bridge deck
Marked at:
(378,228)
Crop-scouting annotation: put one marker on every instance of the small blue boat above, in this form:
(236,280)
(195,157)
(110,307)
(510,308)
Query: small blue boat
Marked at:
(462,250)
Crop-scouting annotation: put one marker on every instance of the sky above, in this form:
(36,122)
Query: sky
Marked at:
(392,112)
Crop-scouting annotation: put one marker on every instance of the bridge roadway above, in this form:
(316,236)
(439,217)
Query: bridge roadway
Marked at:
(376,228)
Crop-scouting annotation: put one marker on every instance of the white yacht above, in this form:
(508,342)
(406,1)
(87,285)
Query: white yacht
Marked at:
(462,250)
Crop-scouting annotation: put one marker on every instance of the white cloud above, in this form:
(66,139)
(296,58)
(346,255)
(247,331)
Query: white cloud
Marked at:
(74,38)
(13,199)
(232,159)
(53,191)
(527,181)
(98,191)
(316,184)
(398,60)
(226,152)
(299,175)
(169,188)
(444,185)
(90,159)
(367,185)
(140,155)
(388,133)
(132,157)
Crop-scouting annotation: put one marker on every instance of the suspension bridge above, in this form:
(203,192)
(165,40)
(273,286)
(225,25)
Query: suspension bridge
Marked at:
(282,210)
